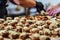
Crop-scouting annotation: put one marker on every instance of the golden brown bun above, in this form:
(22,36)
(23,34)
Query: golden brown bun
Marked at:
(1,38)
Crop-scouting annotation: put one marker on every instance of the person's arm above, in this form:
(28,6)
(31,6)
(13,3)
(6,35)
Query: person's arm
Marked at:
(25,3)
(29,3)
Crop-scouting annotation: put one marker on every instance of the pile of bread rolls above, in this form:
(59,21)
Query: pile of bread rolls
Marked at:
(30,28)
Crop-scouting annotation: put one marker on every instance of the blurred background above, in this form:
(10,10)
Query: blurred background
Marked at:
(14,9)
